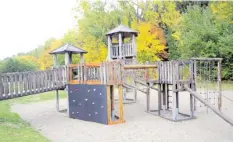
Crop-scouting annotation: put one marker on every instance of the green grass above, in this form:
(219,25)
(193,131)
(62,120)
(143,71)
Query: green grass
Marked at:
(13,128)
(227,85)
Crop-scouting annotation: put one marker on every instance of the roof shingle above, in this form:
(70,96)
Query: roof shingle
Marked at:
(68,48)
(121,28)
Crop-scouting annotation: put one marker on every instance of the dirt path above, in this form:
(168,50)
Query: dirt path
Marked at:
(139,126)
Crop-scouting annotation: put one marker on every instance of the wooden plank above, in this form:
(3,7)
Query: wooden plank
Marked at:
(139,66)
(1,87)
(57,100)
(219,113)
(108,103)
(159,98)
(148,99)
(17,84)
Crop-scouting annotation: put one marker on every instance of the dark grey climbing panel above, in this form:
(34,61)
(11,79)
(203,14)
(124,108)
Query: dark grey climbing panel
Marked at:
(88,102)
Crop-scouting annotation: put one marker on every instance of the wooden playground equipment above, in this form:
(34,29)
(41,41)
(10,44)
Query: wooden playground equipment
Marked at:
(91,86)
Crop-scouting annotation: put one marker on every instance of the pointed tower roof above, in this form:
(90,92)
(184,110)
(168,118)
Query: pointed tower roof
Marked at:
(122,29)
(68,48)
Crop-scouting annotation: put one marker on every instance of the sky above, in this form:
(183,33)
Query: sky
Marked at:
(26,24)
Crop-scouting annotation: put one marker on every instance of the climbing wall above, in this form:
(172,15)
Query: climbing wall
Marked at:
(88,102)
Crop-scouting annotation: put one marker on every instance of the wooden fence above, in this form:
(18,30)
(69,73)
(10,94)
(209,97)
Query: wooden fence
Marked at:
(19,84)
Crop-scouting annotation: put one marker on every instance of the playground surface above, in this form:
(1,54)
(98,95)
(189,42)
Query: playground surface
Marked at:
(139,126)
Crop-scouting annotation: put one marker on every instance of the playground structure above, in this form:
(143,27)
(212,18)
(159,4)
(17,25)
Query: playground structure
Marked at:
(91,86)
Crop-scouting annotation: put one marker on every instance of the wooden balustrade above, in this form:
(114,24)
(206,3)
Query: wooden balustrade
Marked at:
(26,83)
(128,50)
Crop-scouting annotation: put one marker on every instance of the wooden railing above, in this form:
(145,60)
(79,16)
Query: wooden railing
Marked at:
(127,50)
(108,73)
(19,84)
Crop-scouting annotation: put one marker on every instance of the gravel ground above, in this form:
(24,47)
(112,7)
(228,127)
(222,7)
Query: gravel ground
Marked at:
(139,126)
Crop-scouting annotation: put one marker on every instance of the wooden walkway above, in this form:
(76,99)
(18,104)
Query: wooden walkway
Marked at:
(13,85)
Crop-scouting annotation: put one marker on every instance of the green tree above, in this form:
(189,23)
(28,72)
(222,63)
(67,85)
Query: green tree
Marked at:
(203,35)
(15,65)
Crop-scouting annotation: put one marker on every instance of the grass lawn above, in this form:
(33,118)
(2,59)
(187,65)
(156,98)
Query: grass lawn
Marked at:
(13,128)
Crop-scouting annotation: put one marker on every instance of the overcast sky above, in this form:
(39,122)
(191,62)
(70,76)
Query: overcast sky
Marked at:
(25,24)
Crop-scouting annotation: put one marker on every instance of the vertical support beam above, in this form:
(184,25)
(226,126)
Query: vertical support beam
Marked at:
(68,59)
(168,95)
(55,60)
(134,46)
(135,90)
(194,84)
(219,84)
(124,51)
(164,96)
(174,113)
(112,101)
(81,58)
(159,98)
(108,103)
(109,56)
(191,105)
(120,87)
(177,100)
(57,100)
(148,98)
(174,94)
(120,45)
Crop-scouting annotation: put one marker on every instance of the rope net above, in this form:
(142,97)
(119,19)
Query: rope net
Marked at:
(207,85)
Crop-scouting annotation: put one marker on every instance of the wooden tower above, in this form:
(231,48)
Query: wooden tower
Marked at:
(124,47)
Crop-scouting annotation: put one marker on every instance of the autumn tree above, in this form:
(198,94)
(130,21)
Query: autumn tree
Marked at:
(45,59)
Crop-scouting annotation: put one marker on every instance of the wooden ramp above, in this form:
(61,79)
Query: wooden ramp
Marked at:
(215,110)
(13,85)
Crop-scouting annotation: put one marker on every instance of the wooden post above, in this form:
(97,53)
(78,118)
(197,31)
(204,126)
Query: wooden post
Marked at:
(159,98)
(219,84)
(57,100)
(164,96)
(134,46)
(120,46)
(177,99)
(68,59)
(120,87)
(191,104)
(148,98)
(135,90)
(112,101)
(168,95)
(81,58)
(174,94)
(109,56)
(194,84)
(55,60)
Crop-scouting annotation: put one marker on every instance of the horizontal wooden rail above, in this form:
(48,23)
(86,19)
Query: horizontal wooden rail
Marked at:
(139,66)
(207,59)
